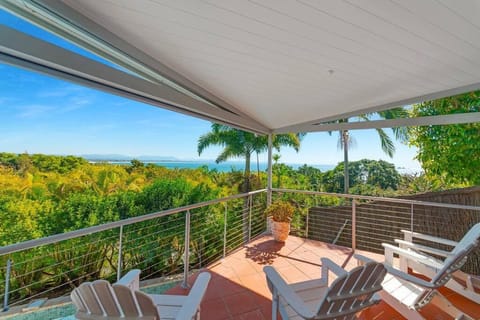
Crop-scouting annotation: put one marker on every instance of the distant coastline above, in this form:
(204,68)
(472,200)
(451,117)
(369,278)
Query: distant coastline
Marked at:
(212,165)
(172,162)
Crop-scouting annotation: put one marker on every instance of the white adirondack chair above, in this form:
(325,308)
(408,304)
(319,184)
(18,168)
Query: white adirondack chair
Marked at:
(123,301)
(419,259)
(408,294)
(349,293)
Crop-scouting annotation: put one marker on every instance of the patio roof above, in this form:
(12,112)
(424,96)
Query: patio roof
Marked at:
(269,66)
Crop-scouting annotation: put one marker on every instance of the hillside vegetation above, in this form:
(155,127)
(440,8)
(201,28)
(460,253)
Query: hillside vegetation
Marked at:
(41,195)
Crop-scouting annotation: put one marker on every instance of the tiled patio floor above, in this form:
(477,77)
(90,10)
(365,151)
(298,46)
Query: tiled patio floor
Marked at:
(238,288)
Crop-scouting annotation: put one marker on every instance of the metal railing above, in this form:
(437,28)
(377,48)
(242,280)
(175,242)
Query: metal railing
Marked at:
(365,222)
(173,242)
(162,244)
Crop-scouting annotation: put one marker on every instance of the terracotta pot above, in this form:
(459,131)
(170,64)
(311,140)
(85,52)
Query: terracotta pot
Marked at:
(280,230)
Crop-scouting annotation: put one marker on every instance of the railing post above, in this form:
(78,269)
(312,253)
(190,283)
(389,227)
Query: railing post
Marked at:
(7,285)
(306,223)
(225,231)
(249,217)
(411,217)
(186,260)
(354,225)
(120,252)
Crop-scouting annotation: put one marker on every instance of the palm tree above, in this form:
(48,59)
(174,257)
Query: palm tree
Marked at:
(346,141)
(241,144)
(236,144)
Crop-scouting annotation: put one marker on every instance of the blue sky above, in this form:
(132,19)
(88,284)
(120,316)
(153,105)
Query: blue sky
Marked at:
(40,114)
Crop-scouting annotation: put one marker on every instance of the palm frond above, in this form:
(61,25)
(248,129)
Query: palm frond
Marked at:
(387,144)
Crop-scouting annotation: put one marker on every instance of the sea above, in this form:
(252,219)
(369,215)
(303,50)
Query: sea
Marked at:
(227,166)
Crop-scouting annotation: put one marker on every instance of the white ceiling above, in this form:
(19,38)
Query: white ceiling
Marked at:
(285,63)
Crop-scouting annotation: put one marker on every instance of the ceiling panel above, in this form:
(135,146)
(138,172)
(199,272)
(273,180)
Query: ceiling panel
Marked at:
(285,62)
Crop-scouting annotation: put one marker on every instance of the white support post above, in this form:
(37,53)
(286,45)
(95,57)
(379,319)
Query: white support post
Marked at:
(269,172)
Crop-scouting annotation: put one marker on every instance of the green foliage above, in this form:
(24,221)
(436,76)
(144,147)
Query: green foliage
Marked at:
(450,153)
(59,164)
(312,175)
(377,174)
(421,183)
(167,194)
(45,195)
(280,211)
(241,144)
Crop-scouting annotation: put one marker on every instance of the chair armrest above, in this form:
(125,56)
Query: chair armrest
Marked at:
(362,259)
(410,278)
(430,238)
(131,279)
(192,304)
(423,248)
(280,287)
(390,250)
(327,265)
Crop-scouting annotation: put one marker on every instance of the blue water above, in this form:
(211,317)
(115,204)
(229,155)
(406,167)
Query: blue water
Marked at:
(222,167)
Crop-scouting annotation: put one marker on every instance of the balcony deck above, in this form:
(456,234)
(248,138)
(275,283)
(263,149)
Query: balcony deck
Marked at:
(238,287)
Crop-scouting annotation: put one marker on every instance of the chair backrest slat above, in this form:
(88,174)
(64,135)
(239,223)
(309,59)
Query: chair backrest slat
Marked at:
(126,300)
(78,302)
(146,305)
(352,292)
(106,298)
(89,299)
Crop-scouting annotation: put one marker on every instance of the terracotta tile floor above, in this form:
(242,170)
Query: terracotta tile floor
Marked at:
(238,288)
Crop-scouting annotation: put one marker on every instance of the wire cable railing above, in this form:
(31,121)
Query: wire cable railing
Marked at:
(162,244)
(174,242)
(365,222)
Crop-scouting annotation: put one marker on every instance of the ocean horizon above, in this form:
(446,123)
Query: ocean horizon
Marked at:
(227,166)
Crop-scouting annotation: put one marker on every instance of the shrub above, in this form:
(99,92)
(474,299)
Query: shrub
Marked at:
(280,211)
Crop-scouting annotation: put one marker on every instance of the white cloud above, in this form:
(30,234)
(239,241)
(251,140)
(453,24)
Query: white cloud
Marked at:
(61,91)
(35,110)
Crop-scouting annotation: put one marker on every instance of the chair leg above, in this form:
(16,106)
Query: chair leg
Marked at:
(468,291)
(442,303)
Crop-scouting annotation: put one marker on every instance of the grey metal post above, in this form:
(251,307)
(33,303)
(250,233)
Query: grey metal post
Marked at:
(249,218)
(354,225)
(7,285)
(120,252)
(411,217)
(225,231)
(186,259)
(269,174)
(306,223)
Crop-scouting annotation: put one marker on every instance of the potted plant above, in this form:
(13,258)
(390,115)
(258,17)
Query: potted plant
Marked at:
(281,213)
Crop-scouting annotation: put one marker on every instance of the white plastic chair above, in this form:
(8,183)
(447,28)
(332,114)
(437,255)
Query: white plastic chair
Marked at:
(419,258)
(100,300)
(349,293)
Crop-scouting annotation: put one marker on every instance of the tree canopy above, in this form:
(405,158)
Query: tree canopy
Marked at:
(346,141)
(449,152)
(377,174)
